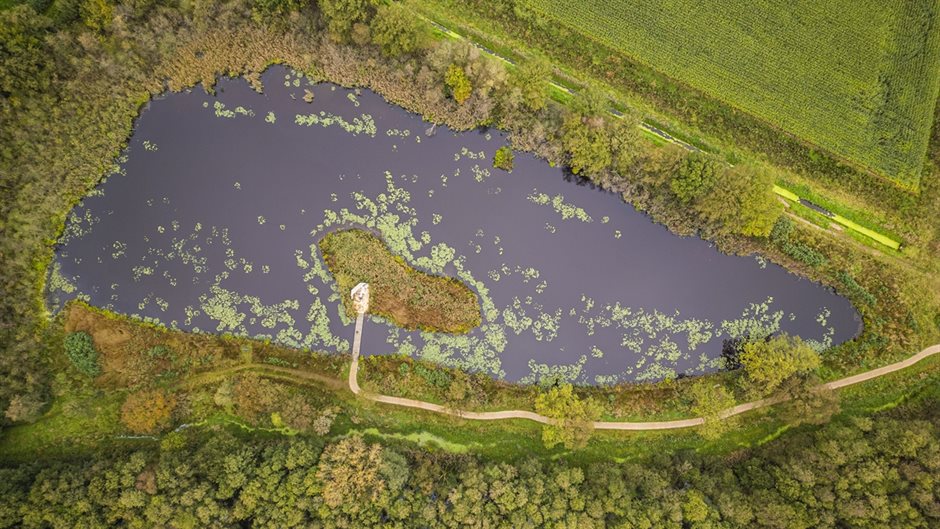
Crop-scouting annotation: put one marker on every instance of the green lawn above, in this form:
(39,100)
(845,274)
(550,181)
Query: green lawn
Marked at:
(858,78)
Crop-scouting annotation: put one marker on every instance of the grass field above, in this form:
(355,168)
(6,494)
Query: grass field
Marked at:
(857,78)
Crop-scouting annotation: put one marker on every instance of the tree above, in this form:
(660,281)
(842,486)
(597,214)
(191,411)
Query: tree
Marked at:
(24,57)
(709,399)
(695,177)
(810,401)
(352,472)
(572,417)
(625,145)
(587,144)
(342,16)
(768,363)
(23,408)
(267,10)
(80,349)
(396,31)
(530,79)
(694,508)
(148,412)
(503,158)
(457,83)
(741,201)
(97,14)
(590,103)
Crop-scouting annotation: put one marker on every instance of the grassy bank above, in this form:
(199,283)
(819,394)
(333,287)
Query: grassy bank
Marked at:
(87,416)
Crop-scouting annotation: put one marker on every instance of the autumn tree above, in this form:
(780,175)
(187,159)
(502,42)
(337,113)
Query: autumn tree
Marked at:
(23,408)
(696,176)
(352,472)
(298,413)
(572,417)
(530,80)
(458,84)
(148,411)
(253,397)
(709,399)
(768,363)
(740,200)
(345,18)
(395,30)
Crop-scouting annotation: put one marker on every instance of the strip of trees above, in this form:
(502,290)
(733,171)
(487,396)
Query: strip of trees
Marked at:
(878,472)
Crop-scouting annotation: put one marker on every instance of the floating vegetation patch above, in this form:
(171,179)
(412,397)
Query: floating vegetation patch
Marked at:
(361,125)
(557,202)
(221,111)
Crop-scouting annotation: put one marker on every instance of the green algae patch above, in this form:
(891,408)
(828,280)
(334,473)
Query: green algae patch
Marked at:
(405,296)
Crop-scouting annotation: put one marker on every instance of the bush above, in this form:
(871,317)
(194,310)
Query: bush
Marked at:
(434,377)
(81,351)
(148,412)
(780,236)
(857,291)
(503,159)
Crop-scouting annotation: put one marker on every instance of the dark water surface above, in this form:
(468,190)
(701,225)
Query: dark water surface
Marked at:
(211,221)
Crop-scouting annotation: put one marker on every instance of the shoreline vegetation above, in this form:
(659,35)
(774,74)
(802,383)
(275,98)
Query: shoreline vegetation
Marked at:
(405,296)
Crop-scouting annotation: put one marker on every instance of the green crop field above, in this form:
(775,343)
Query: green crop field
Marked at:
(858,78)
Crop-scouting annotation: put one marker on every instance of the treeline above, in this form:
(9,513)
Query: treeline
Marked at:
(878,472)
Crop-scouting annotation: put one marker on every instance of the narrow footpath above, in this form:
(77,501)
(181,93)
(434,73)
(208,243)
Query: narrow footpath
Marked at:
(605,425)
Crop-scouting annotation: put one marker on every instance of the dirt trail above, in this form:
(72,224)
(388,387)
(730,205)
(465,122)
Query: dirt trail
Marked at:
(618,425)
(353,385)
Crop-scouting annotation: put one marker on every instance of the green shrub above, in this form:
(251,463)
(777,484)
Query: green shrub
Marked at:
(503,158)
(280,362)
(81,351)
(856,291)
(780,236)
(434,377)
(158,351)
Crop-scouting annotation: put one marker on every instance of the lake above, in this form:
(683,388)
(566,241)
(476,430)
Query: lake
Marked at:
(211,219)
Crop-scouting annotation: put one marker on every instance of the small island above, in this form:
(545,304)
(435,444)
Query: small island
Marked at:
(407,297)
